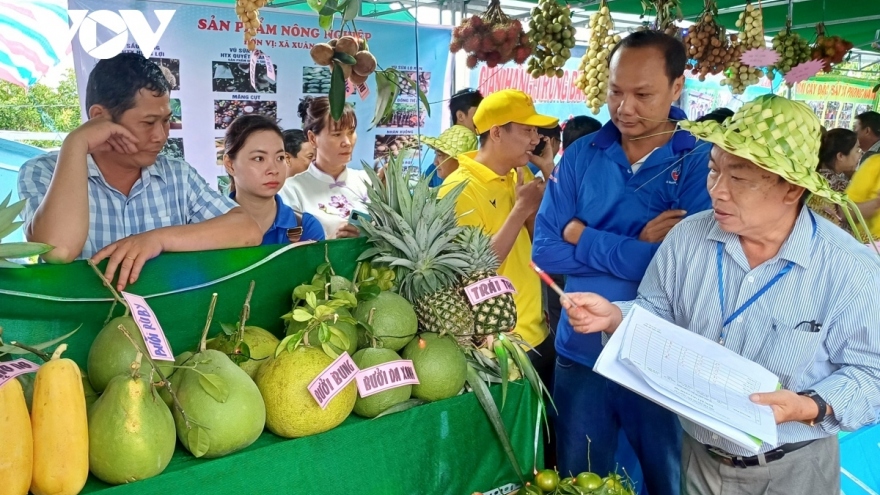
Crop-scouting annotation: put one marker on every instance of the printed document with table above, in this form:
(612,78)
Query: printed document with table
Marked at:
(691,376)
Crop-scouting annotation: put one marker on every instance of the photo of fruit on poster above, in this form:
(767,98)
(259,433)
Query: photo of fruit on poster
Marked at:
(171,68)
(225,111)
(316,80)
(404,115)
(423,79)
(173,148)
(387,147)
(176,116)
(220,149)
(235,77)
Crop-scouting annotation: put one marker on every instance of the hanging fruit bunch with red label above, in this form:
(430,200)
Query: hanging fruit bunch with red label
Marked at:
(830,50)
(710,49)
(751,25)
(552,34)
(491,37)
(248,12)
(792,49)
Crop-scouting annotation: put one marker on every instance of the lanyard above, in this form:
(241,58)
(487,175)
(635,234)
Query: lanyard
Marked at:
(751,300)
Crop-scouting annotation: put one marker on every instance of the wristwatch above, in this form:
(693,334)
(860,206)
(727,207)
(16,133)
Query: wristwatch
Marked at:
(820,402)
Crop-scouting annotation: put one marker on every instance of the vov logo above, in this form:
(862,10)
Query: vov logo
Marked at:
(120,24)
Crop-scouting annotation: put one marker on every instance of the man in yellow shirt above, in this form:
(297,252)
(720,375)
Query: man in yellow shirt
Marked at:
(502,198)
(864,191)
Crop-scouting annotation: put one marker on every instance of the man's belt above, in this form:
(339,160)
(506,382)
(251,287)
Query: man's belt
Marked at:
(756,460)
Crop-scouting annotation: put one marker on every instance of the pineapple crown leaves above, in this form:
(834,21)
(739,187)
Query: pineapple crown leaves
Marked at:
(8,214)
(414,232)
(478,245)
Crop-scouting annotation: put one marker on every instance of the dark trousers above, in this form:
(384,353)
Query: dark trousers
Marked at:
(589,405)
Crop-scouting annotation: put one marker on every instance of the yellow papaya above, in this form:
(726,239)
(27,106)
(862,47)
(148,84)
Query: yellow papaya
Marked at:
(16,463)
(60,428)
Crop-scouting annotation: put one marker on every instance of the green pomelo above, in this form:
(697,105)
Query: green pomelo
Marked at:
(291,411)
(338,283)
(219,426)
(260,342)
(111,353)
(393,321)
(440,366)
(174,377)
(374,405)
(131,432)
(346,328)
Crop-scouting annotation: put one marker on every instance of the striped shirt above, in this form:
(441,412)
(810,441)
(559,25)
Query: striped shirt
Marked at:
(169,192)
(834,281)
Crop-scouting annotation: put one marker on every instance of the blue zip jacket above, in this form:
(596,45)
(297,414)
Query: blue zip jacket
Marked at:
(595,184)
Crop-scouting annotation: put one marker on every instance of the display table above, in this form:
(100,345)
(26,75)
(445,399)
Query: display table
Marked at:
(446,447)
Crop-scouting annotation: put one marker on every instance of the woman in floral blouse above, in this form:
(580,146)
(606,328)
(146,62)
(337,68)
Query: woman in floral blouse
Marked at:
(328,189)
(838,158)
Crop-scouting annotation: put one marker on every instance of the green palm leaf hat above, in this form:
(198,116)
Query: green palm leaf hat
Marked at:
(781,136)
(454,141)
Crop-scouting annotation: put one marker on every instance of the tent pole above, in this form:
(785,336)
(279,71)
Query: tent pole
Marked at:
(791,21)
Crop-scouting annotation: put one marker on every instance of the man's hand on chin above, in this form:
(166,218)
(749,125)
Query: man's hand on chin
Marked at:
(129,255)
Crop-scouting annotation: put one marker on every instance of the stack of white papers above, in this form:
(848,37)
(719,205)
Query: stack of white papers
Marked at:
(691,376)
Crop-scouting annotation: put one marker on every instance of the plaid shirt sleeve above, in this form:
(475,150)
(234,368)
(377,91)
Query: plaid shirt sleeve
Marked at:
(203,203)
(33,183)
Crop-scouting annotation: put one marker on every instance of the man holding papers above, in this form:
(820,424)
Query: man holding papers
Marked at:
(766,278)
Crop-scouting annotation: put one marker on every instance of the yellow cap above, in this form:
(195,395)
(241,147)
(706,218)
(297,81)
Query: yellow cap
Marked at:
(506,106)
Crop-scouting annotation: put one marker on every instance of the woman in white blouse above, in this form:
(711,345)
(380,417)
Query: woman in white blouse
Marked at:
(328,189)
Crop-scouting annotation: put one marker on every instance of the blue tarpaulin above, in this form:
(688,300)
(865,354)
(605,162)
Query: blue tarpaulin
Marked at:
(860,462)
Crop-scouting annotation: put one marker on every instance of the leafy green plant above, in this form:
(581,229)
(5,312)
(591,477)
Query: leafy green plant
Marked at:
(8,225)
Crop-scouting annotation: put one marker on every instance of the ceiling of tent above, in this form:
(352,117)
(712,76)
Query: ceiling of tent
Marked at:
(855,20)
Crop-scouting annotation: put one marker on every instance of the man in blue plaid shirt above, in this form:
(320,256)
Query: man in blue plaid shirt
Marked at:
(108,194)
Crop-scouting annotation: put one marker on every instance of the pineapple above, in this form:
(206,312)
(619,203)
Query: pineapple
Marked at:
(415,234)
(497,314)
(14,250)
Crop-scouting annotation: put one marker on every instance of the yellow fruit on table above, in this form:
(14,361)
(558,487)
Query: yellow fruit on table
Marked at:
(60,428)
(16,463)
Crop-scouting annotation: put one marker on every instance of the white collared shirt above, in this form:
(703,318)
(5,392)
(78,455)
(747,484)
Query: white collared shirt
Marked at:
(327,199)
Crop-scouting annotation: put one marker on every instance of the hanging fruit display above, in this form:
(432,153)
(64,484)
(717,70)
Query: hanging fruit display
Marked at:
(792,49)
(491,37)
(348,55)
(667,13)
(593,71)
(751,26)
(710,49)
(248,12)
(552,34)
(829,50)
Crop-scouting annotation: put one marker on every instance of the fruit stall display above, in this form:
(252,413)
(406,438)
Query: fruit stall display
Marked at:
(250,329)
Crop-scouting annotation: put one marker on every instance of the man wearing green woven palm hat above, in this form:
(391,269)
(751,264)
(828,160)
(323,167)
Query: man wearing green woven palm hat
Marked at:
(765,277)
(452,142)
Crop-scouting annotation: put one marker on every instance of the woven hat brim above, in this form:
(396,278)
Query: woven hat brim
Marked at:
(715,133)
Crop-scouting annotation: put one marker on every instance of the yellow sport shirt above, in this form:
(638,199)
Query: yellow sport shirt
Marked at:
(486,202)
(865,186)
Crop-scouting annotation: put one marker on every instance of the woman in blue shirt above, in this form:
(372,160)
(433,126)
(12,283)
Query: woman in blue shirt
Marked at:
(257,166)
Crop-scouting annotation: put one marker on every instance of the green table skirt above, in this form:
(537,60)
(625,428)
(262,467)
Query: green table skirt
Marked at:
(447,447)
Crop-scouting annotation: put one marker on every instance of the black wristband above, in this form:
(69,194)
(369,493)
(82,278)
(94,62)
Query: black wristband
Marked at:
(820,403)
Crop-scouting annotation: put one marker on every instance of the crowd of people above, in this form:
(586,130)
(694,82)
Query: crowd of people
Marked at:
(706,224)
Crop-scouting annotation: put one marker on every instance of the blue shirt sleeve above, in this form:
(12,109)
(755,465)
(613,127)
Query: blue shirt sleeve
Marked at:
(203,202)
(34,178)
(549,249)
(628,258)
(312,229)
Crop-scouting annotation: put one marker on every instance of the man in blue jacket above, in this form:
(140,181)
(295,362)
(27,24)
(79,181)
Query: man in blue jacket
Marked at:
(607,206)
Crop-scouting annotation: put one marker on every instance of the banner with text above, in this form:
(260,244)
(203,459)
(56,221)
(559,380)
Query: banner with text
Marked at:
(837,100)
(201,49)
